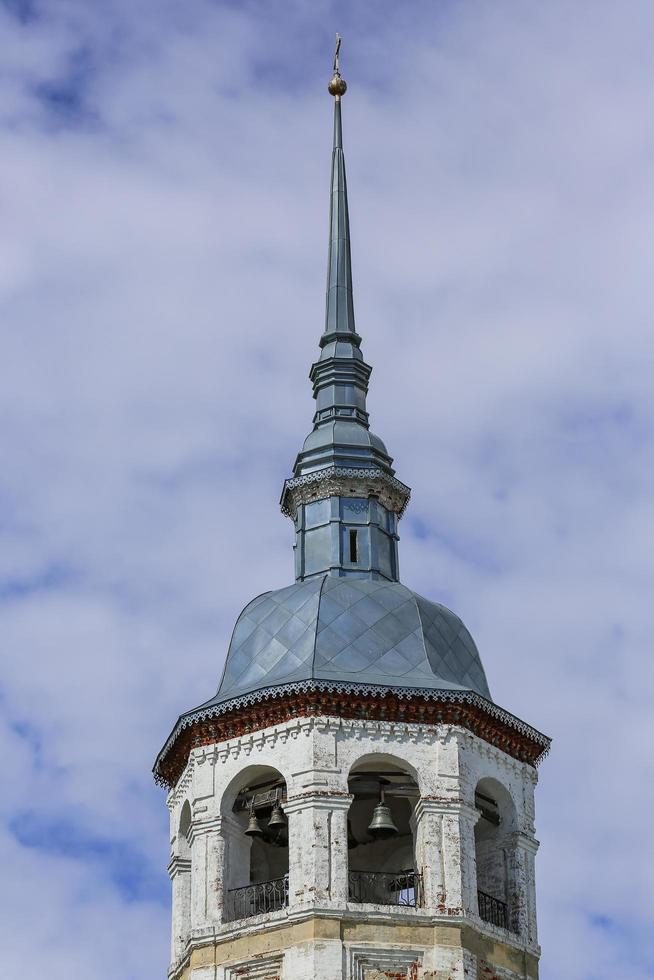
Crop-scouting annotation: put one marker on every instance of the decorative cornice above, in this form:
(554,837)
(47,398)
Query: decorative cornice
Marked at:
(178,866)
(444,806)
(318,800)
(203,826)
(259,710)
(178,790)
(345,481)
(526,842)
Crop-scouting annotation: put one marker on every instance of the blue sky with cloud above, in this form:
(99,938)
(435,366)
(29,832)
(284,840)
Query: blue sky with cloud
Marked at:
(165,173)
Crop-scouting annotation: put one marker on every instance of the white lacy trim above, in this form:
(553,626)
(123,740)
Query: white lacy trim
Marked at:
(310,686)
(325,483)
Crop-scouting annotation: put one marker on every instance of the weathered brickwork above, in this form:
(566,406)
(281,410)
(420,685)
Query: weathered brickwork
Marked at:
(322,935)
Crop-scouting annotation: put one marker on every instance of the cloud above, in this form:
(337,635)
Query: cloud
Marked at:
(165,178)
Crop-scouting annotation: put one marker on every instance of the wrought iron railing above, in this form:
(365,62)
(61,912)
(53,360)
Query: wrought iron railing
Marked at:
(384,888)
(264,896)
(493,910)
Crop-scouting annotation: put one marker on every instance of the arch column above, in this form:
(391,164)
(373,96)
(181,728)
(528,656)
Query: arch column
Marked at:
(179,871)
(445,851)
(208,840)
(520,852)
(426,826)
(317,847)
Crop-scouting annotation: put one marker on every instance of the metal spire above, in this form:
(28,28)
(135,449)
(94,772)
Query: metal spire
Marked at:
(339,317)
(343,496)
(341,434)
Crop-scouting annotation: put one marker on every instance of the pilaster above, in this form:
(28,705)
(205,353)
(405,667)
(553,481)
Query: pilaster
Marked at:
(317,835)
(427,829)
(207,840)
(520,853)
(445,850)
(179,871)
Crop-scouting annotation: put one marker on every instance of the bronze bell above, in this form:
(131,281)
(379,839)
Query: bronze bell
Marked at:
(382,826)
(253,828)
(277,818)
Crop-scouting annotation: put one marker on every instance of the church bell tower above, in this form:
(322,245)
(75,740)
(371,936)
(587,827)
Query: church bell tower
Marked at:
(351,803)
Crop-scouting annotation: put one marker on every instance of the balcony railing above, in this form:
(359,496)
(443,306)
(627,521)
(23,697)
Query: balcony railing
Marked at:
(382,888)
(493,910)
(264,896)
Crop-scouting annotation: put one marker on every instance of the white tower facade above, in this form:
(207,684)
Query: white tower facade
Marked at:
(352,804)
(450,896)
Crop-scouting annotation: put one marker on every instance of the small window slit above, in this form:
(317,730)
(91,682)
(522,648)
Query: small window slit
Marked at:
(353,547)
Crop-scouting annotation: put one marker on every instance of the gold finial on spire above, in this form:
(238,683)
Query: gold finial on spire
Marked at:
(337,86)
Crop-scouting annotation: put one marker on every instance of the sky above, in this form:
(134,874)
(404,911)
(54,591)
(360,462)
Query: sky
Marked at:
(164,180)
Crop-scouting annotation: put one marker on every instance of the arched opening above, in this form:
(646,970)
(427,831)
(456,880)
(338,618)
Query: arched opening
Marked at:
(495,853)
(381,846)
(183,830)
(256,843)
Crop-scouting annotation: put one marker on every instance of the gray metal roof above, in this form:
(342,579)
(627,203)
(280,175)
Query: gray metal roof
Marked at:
(355,628)
(357,631)
(341,434)
(346,626)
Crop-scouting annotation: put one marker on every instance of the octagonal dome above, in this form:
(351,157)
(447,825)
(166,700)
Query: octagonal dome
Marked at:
(369,633)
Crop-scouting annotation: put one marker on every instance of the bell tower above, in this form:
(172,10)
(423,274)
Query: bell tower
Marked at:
(351,804)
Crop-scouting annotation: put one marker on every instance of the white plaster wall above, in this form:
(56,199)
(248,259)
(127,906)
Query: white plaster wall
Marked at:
(479,760)
(315,756)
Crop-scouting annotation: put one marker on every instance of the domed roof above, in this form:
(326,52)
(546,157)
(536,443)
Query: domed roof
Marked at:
(343,435)
(369,633)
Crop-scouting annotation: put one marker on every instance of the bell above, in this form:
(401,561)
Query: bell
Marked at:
(253,828)
(382,826)
(277,818)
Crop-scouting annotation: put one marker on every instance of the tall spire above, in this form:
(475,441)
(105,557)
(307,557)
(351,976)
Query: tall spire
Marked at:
(339,317)
(343,496)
